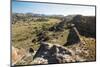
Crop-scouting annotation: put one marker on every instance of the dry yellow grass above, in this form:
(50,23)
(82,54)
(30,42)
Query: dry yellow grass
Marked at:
(23,33)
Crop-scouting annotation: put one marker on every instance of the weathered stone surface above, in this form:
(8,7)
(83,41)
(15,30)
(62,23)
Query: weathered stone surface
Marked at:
(86,25)
(17,55)
(54,53)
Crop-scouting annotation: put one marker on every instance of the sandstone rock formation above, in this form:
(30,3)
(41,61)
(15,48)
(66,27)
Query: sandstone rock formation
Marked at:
(17,54)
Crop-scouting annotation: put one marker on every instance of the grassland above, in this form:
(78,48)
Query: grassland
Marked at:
(24,33)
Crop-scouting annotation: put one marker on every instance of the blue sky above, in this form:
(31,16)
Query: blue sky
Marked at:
(50,9)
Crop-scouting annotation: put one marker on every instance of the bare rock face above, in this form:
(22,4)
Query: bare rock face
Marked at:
(54,54)
(86,25)
(17,55)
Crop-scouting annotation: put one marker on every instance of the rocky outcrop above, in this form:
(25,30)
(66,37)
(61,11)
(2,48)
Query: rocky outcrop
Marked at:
(17,55)
(53,53)
(86,25)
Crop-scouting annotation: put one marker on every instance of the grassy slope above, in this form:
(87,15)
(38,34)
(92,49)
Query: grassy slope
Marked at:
(23,33)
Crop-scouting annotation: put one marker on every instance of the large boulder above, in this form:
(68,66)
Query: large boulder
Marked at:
(86,25)
(53,54)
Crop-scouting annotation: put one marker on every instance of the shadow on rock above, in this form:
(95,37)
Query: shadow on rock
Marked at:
(73,38)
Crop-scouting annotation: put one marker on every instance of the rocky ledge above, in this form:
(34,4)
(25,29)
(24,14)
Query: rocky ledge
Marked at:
(54,53)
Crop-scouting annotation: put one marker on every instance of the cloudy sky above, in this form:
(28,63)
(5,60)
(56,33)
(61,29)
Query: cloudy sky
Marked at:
(57,9)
